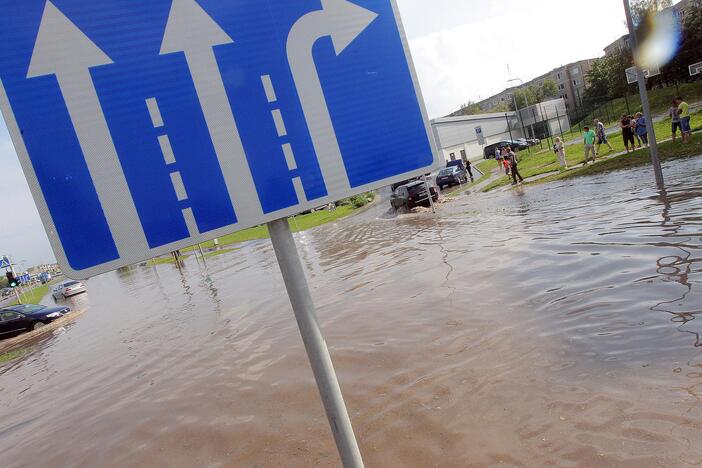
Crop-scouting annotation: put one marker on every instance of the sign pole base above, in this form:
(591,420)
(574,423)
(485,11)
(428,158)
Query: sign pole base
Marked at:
(320,360)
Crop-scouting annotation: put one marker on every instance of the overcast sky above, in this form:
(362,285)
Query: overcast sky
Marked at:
(461,49)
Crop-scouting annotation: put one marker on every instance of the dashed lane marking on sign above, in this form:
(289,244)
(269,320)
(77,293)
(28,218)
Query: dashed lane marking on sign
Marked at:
(283,132)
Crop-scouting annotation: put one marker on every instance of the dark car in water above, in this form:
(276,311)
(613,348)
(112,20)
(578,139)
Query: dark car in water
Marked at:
(453,175)
(25,317)
(412,195)
(489,151)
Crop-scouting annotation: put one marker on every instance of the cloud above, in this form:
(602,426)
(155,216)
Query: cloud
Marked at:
(469,62)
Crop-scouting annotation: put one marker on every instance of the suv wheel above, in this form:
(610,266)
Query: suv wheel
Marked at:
(38,325)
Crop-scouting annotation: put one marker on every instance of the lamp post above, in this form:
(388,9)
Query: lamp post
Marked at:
(526,101)
(653,145)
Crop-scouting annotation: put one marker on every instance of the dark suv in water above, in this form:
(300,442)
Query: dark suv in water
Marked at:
(412,195)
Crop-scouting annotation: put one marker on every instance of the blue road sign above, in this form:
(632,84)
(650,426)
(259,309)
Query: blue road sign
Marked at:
(24,278)
(5,262)
(147,126)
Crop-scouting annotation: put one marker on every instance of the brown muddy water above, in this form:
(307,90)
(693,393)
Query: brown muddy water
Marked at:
(551,325)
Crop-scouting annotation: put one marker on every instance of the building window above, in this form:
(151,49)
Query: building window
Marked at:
(575,82)
(559,76)
(463,155)
(574,71)
(452,156)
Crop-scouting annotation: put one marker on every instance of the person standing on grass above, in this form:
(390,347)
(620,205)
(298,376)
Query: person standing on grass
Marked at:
(684,114)
(498,158)
(641,129)
(513,165)
(627,133)
(505,162)
(675,118)
(589,141)
(469,168)
(601,137)
(637,137)
(559,148)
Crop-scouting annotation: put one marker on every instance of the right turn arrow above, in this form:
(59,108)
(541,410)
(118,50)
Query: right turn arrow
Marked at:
(344,21)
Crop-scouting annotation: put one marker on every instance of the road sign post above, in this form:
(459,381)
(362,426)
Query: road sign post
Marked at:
(641,78)
(303,306)
(162,114)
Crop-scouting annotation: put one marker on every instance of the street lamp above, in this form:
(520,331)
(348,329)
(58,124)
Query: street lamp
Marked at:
(516,108)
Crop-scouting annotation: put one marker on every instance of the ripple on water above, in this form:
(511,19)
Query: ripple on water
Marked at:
(545,325)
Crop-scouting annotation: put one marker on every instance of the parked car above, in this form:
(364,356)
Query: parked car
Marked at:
(20,318)
(412,195)
(68,289)
(489,151)
(4,292)
(449,176)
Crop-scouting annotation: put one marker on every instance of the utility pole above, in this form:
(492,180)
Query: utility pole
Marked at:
(653,145)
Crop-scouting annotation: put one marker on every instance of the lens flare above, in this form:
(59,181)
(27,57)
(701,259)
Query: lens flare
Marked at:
(661,39)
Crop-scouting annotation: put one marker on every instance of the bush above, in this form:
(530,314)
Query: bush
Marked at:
(358,201)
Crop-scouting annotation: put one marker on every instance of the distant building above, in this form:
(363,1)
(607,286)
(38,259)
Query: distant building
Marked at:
(457,138)
(617,46)
(571,82)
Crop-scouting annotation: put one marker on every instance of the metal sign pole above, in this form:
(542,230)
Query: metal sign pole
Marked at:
(653,145)
(317,352)
(426,187)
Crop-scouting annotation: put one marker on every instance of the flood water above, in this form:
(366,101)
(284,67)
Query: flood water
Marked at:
(550,325)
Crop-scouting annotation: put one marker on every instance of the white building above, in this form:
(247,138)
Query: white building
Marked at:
(457,137)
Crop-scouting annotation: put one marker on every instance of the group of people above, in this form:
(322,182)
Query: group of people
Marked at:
(679,113)
(509,161)
(634,131)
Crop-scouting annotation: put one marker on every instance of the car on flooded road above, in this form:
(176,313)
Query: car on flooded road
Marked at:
(449,176)
(412,195)
(26,317)
(68,289)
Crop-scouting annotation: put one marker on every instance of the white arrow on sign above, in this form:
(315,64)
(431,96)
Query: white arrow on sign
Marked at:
(344,22)
(63,50)
(191,30)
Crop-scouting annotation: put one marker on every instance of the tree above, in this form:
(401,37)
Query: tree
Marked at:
(470,108)
(548,90)
(598,77)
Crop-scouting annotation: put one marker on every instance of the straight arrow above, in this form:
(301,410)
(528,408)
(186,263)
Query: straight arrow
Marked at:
(63,50)
(191,30)
(344,22)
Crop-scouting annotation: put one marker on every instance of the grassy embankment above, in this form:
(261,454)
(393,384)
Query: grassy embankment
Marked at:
(35,295)
(298,223)
(544,162)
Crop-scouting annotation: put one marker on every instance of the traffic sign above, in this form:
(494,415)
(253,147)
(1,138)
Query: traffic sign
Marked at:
(145,127)
(5,262)
(695,68)
(479,135)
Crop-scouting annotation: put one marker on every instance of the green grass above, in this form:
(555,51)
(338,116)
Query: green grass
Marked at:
(12,355)
(35,295)
(667,151)
(297,224)
(658,98)
(545,161)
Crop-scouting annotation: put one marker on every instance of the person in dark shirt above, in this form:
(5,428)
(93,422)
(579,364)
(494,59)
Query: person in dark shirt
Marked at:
(469,168)
(627,133)
(514,166)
